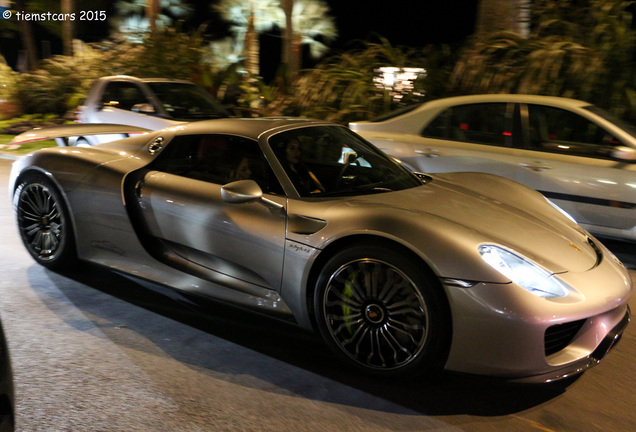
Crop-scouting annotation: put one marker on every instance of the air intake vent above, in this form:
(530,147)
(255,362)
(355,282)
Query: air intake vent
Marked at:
(559,336)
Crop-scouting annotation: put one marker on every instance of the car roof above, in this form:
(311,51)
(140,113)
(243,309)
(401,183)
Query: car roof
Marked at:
(520,98)
(247,127)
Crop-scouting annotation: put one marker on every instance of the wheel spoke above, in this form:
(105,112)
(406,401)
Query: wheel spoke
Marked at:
(376,314)
(40,221)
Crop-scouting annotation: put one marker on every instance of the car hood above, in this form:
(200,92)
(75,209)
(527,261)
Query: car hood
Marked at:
(492,209)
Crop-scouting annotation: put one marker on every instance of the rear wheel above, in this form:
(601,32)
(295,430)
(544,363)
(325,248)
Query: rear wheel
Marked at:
(380,312)
(44,223)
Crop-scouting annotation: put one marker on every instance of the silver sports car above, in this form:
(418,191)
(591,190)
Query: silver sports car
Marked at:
(400,273)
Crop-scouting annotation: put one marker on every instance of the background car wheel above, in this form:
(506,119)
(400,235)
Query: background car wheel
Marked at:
(44,223)
(382,313)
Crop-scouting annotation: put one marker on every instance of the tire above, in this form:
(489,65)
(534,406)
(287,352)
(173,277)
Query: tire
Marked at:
(44,223)
(380,312)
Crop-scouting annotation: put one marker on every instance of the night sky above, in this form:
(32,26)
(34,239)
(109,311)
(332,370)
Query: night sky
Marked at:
(404,22)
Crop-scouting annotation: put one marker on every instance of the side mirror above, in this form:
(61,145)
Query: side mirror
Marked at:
(245,191)
(624,153)
(143,108)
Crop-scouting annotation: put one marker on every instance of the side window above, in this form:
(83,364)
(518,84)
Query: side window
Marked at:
(560,131)
(218,159)
(123,95)
(487,123)
(438,128)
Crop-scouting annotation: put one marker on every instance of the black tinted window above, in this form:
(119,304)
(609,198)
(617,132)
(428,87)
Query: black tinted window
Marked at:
(331,160)
(487,123)
(185,101)
(561,131)
(218,159)
(123,95)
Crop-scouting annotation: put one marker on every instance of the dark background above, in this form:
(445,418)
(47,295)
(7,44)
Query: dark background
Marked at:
(402,22)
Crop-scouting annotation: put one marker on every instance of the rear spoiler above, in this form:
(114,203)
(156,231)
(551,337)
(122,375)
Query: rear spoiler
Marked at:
(70,130)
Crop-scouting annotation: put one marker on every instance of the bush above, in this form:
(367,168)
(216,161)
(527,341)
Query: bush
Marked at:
(7,90)
(27,122)
(62,82)
(343,88)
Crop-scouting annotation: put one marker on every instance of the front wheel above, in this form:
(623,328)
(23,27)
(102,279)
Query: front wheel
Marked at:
(382,313)
(44,223)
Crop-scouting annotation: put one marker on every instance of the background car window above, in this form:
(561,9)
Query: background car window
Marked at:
(561,131)
(123,95)
(218,159)
(187,101)
(475,123)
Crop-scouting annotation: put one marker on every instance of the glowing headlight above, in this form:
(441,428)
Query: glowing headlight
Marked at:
(523,272)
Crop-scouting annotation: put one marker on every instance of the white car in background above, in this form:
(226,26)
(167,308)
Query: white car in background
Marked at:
(149,103)
(579,156)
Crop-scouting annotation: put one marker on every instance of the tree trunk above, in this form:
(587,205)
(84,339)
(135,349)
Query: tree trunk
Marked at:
(287,55)
(67,27)
(296,52)
(252,47)
(28,41)
(496,15)
(152,11)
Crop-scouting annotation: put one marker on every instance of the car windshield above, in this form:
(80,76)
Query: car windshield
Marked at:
(627,127)
(333,161)
(185,101)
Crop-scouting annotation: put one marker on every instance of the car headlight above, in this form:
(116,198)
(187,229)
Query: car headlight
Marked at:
(524,273)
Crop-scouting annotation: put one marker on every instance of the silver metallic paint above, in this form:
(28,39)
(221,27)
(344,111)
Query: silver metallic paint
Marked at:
(497,326)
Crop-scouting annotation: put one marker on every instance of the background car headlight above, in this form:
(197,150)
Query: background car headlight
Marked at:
(523,272)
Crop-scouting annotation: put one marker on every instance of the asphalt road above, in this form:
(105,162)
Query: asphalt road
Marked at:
(95,352)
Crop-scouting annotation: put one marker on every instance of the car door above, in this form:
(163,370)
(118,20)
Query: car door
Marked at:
(573,156)
(120,103)
(479,137)
(179,198)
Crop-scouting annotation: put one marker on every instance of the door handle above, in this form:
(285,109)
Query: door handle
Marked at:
(536,166)
(430,153)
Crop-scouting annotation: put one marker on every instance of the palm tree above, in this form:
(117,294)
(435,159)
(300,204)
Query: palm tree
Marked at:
(306,22)
(139,16)
(506,15)
(28,40)
(249,18)
(67,27)
(577,48)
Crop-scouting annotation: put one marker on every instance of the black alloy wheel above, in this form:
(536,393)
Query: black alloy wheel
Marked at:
(379,311)
(43,222)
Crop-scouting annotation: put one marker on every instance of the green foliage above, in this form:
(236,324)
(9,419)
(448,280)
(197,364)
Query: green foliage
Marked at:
(578,48)
(505,62)
(63,81)
(59,85)
(7,80)
(27,122)
(167,54)
(342,88)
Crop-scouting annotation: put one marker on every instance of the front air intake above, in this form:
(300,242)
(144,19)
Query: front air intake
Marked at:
(559,336)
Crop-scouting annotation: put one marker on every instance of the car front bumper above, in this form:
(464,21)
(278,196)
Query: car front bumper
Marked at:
(501,330)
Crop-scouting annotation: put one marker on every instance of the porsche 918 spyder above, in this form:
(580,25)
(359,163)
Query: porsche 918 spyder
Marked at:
(400,273)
